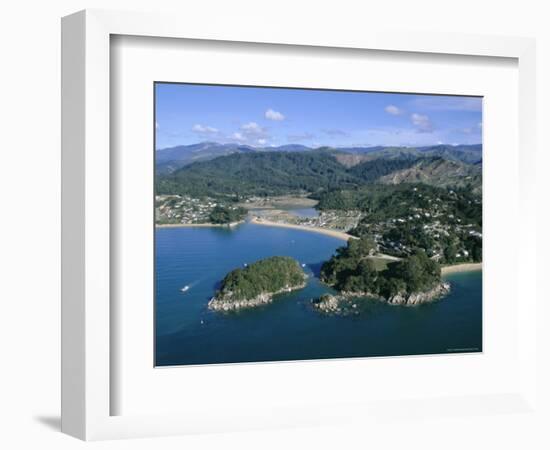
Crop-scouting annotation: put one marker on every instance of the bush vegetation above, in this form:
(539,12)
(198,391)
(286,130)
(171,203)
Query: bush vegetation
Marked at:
(268,275)
(352,270)
(224,215)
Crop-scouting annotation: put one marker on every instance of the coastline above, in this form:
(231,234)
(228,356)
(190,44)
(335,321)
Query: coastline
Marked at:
(220,304)
(198,225)
(466,267)
(445,270)
(333,233)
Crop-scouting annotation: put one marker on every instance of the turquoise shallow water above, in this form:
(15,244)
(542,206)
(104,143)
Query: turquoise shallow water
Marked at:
(289,329)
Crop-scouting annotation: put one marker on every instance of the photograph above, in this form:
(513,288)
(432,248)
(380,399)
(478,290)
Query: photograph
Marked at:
(295,224)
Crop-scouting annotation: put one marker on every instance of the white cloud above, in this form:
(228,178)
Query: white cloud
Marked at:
(393,110)
(271,114)
(252,131)
(204,129)
(422,123)
(251,127)
(238,137)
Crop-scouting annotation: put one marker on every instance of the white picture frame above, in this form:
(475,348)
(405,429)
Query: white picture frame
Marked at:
(86,220)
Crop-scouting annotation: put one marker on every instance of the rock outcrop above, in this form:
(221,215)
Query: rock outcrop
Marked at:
(340,305)
(348,303)
(227,302)
(417,298)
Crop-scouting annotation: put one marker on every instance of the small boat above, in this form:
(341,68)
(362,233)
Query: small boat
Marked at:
(303,265)
(184,289)
(245,265)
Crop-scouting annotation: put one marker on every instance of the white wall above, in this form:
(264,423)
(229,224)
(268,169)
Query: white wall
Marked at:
(29,177)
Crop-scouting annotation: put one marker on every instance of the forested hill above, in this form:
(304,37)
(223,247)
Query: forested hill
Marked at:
(257,174)
(370,171)
(277,173)
(437,171)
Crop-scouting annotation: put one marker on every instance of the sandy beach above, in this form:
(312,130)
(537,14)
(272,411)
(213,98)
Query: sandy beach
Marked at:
(333,233)
(197,225)
(456,268)
(466,267)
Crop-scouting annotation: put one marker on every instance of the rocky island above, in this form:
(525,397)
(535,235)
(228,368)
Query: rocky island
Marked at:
(257,283)
(410,281)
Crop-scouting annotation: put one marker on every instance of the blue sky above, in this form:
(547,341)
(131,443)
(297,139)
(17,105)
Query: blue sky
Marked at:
(187,114)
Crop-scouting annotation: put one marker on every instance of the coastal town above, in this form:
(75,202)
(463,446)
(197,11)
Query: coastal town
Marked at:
(184,210)
(430,220)
(427,220)
(176,209)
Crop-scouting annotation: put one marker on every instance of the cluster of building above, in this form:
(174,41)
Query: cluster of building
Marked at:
(334,219)
(182,209)
(429,223)
(432,227)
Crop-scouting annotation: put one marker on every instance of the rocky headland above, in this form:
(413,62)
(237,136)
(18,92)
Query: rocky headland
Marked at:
(349,303)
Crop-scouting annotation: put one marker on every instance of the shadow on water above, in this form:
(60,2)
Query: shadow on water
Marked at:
(217,285)
(316,268)
(225,232)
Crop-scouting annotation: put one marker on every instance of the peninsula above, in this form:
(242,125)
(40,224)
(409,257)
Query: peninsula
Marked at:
(413,280)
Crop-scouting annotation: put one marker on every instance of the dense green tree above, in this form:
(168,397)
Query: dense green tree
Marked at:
(353,271)
(224,215)
(450,253)
(265,276)
(474,246)
(350,261)
(418,272)
(266,173)
(358,248)
(370,171)
(274,173)
(477,251)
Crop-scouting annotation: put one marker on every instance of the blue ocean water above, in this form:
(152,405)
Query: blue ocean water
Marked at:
(289,329)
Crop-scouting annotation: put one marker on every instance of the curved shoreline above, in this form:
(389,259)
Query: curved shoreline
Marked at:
(456,268)
(445,270)
(198,225)
(333,233)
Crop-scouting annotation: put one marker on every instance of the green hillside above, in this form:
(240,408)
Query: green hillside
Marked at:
(267,173)
(279,173)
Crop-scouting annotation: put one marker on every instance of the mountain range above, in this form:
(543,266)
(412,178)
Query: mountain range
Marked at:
(250,171)
(171,159)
